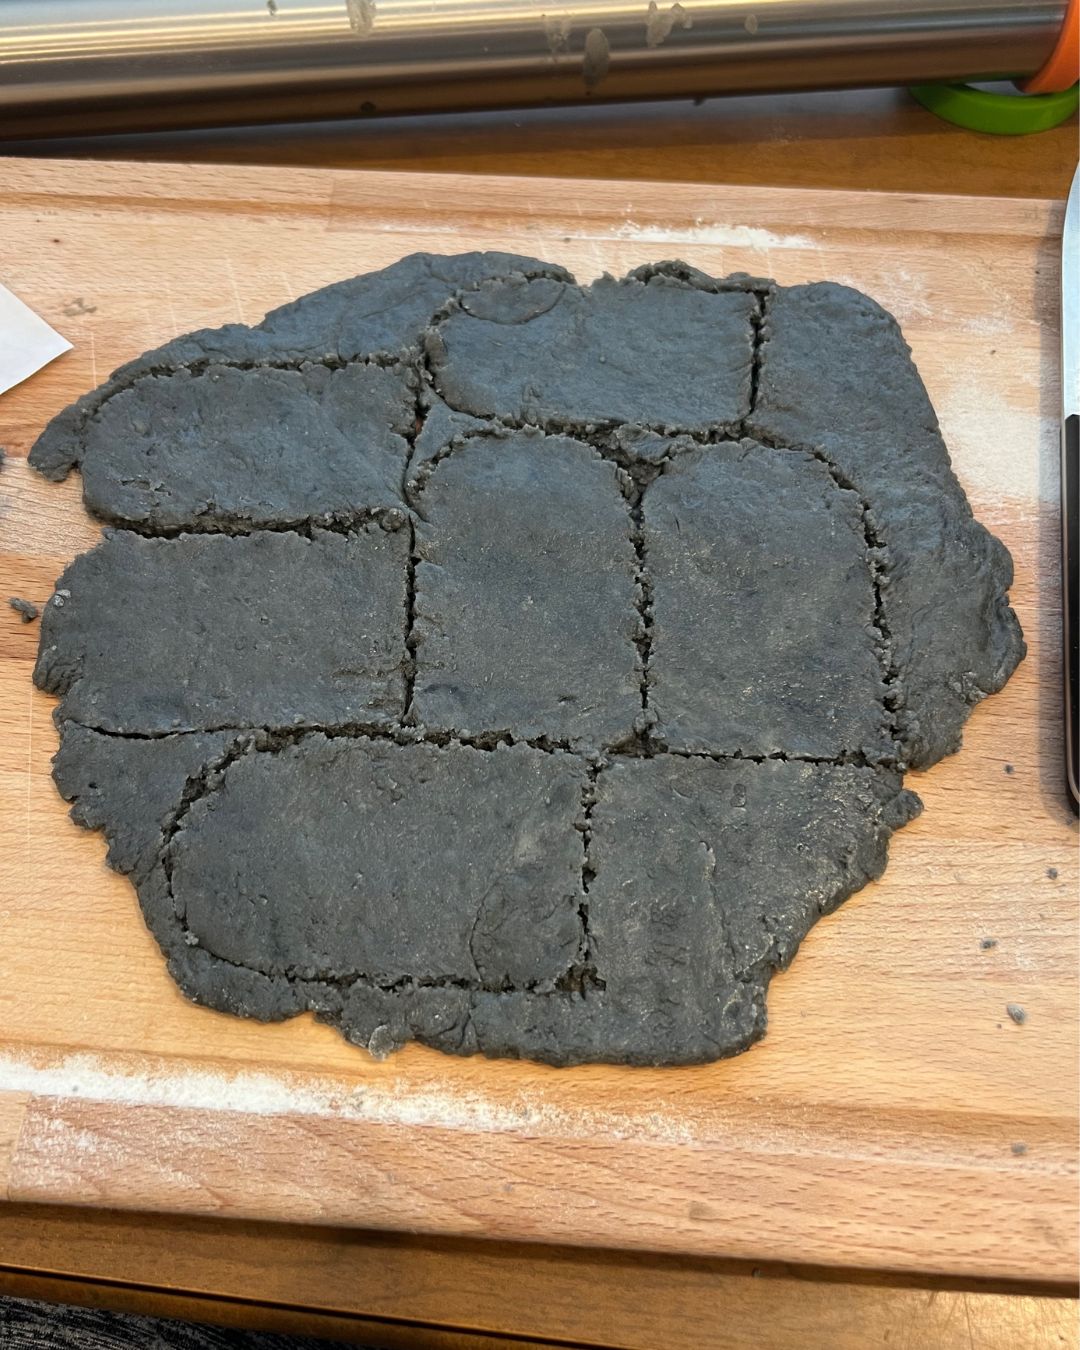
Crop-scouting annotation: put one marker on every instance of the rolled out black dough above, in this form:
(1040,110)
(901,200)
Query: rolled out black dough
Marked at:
(389,826)
(525,614)
(147,636)
(511,665)
(177,452)
(763,659)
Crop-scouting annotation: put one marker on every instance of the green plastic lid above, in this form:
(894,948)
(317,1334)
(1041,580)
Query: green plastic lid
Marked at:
(1000,114)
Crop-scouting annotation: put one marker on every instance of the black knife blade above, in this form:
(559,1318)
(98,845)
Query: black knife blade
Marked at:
(1070,483)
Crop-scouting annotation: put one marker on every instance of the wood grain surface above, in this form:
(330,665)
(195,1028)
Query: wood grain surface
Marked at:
(876,139)
(624,1300)
(875,1125)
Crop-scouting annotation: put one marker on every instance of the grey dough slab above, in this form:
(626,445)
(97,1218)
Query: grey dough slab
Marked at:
(708,874)
(510,665)
(764,633)
(376,823)
(150,636)
(525,613)
(236,447)
(131,788)
(650,353)
(837,377)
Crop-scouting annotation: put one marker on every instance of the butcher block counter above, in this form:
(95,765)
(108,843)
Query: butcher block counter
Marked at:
(895,1118)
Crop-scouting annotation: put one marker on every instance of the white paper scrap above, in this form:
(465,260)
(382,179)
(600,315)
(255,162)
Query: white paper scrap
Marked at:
(26,341)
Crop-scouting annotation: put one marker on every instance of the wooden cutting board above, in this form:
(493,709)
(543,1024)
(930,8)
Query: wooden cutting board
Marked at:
(893,1117)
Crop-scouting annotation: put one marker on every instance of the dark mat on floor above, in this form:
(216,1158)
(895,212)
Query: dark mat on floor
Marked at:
(25,1325)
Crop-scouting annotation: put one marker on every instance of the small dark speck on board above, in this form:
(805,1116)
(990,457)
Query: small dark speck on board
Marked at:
(1017,1013)
(987,943)
(1019,1148)
(271,5)
(1009,768)
(1052,873)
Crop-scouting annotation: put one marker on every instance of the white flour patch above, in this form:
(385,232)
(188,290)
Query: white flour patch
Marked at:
(65,1143)
(988,325)
(905,295)
(409,226)
(995,446)
(93,1078)
(97,1079)
(732,236)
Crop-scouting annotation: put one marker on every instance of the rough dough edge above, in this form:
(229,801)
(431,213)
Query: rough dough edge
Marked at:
(50,457)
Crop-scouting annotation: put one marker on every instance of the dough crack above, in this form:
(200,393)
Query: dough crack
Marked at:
(345,981)
(602,434)
(583,975)
(853,758)
(758,321)
(411,558)
(273,738)
(391,518)
(644,596)
(877,554)
(198,786)
(270,739)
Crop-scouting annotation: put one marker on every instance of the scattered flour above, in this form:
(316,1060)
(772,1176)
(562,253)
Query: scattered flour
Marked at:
(701,232)
(161,1083)
(997,446)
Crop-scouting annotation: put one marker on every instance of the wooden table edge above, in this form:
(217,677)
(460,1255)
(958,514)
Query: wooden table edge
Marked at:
(277,1278)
